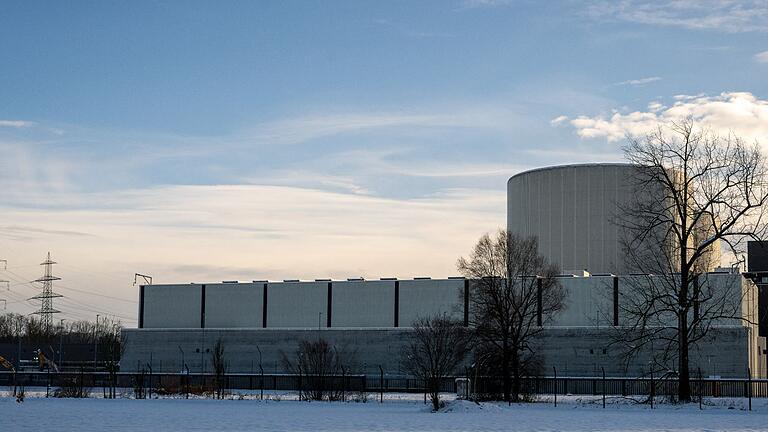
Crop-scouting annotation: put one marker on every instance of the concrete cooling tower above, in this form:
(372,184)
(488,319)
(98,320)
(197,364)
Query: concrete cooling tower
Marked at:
(572,210)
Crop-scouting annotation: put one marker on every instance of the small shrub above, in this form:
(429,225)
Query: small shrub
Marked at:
(72,388)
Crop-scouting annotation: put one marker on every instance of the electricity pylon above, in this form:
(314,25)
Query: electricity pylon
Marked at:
(47,295)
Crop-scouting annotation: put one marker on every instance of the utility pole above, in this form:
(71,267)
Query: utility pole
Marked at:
(95,341)
(61,343)
(47,295)
(6,282)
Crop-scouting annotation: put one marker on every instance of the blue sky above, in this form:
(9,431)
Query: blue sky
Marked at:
(224,140)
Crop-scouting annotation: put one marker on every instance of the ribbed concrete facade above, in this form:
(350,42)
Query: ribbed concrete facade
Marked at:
(572,210)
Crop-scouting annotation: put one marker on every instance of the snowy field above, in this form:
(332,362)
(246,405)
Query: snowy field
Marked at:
(398,413)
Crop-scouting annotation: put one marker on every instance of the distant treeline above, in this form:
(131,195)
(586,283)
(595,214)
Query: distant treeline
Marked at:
(30,328)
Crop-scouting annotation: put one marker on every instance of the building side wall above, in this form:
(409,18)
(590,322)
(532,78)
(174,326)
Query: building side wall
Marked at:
(589,302)
(234,305)
(363,304)
(422,298)
(296,304)
(174,306)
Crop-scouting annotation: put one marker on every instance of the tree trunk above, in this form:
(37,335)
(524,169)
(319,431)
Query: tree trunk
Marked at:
(684,379)
(515,376)
(506,373)
(435,393)
(684,386)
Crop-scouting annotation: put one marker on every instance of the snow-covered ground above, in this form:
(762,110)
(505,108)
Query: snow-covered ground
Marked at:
(397,413)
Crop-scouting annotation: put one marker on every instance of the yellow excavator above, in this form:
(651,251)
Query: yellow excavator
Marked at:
(44,362)
(6,364)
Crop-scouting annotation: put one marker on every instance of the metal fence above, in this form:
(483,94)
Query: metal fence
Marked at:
(181,383)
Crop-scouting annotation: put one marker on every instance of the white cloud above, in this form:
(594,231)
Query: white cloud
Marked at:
(638,82)
(558,120)
(722,15)
(16,123)
(761,57)
(741,113)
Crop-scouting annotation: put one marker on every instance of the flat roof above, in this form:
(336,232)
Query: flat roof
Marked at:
(582,165)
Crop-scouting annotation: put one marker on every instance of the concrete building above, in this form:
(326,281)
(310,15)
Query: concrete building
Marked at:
(373,317)
(571,209)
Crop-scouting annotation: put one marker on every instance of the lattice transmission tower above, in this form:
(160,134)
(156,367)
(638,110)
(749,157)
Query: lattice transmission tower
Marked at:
(47,295)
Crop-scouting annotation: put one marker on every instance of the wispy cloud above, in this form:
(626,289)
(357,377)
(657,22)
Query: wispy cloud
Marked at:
(485,3)
(741,113)
(306,128)
(639,82)
(722,15)
(761,57)
(16,123)
(558,120)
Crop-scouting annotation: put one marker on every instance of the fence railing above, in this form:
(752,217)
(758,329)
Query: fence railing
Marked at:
(180,383)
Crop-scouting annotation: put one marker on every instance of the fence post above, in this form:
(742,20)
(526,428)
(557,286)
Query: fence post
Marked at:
(701,392)
(300,386)
(381,384)
(603,369)
(261,383)
(466,387)
(555,370)
(150,380)
(653,388)
(749,387)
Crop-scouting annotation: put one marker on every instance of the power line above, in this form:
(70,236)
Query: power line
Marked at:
(97,294)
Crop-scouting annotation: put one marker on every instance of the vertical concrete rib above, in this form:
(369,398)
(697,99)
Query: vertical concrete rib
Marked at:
(264,306)
(466,302)
(616,301)
(539,303)
(329,306)
(397,303)
(202,306)
(141,306)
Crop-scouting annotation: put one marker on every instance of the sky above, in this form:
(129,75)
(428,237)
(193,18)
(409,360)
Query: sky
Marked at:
(209,141)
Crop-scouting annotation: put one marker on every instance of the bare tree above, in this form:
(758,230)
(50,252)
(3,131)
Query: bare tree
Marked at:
(318,364)
(696,192)
(438,346)
(219,367)
(515,294)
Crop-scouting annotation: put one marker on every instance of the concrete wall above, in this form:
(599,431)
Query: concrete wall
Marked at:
(363,304)
(172,306)
(365,349)
(574,351)
(421,298)
(222,311)
(296,304)
(571,210)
